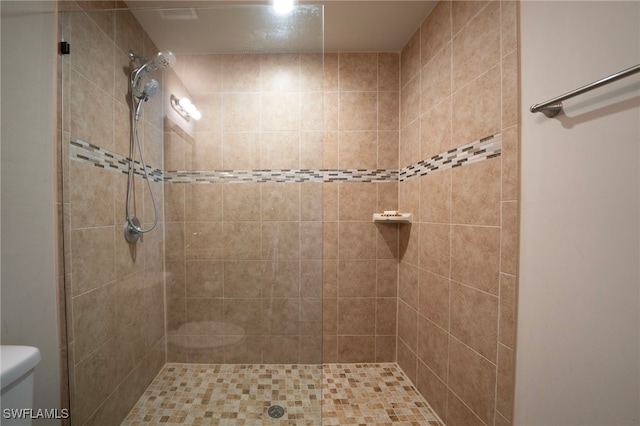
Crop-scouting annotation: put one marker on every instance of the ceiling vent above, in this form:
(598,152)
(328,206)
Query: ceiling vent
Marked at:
(178,14)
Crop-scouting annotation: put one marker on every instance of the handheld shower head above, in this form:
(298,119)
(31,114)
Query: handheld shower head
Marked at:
(150,89)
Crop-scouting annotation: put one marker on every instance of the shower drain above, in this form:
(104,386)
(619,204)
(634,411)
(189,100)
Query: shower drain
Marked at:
(275,411)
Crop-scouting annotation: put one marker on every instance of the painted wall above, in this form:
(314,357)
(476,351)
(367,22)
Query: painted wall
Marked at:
(28,217)
(578,355)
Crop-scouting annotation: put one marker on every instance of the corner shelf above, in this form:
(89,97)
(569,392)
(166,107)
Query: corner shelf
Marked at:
(393,217)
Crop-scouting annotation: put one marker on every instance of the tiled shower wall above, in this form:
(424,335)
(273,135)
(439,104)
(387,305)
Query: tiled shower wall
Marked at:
(458,271)
(246,261)
(115,293)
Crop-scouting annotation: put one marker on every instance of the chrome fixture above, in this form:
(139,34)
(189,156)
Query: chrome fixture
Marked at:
(139,95)
(552,107)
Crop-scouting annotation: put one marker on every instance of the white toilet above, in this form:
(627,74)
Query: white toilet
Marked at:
(16,376)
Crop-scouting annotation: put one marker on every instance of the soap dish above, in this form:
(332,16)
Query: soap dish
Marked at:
(392,216)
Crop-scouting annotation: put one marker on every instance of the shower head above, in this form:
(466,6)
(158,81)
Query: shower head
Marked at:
(162,61)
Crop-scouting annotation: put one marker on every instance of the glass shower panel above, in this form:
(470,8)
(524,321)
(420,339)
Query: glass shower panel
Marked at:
(232,137)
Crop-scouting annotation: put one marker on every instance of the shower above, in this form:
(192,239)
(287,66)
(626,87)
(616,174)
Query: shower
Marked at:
(139,95)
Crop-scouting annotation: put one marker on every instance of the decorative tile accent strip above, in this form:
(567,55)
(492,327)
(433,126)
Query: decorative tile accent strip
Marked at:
(480,150)
(100,157)
(282,175)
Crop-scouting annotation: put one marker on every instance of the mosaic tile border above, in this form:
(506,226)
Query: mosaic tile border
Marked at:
(84,151)
(483,149)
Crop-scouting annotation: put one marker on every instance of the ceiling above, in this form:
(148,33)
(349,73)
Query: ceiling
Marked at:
(348,26)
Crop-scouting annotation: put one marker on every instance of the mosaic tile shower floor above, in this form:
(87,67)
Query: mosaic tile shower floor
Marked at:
(329,394)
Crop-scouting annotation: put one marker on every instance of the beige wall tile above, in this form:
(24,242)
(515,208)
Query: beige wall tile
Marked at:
(331,72)
(435,130)
(507,334)
(386,314)
(435,197)
(408,286)
(280,241)
(410,59)
(510,97)
(311,72)
(463,12)
(281,279)
(435,31)
(432,347)
(435,240)
(473,379)
(311,278)
(387,240)
(203,203)
(509,25)
(356,278)
(476,48)
(278,202)
(358,150)
(241,150)
(388,110)
(92,110)
(94,319)
(433,390)
(204,278)
(434,298)
(358,71)
(509,238)
(204,316)
(510,164)
(505,388)
(358,111)
(202,73)
(410,143)
(408,325)
(241,73)
(388,72)
(386,278)
(407,360)
(93,254)
(92,195)
(202,240)
(385,348)
(475,256)
(476,194)
(357,240)
(280,150)
(388,149)
(210,105)
(436,79)
(459,414)
(357,202)
(280,72)
(241,111)
(312,111)
(356,348)
(279,111)
(410,101)
(356,316)
(474,319)
(476,112)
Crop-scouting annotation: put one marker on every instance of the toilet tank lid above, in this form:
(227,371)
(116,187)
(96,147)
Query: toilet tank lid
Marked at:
(15,361)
